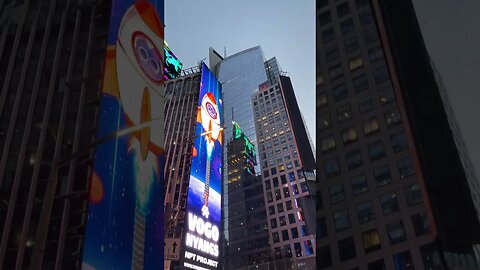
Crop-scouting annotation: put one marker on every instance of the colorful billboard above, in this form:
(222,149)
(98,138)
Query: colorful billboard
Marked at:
(125,215)
(173,66)
(249,151)
(201,243)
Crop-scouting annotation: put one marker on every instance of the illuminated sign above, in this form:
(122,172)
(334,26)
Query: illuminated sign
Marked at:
(125,215)
(201,243)
(249,151)
(173,66)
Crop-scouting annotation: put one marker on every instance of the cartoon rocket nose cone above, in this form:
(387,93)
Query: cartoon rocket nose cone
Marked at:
(210,116)
(145,116)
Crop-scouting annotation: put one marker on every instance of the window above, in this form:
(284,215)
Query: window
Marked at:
(271,209)
(360,83)
(332,54)
(386,95)
(273,171)
(365,212)
(341,220)
(286,192)
(275,182)
(403,261)
(283,221)
(320,79)
(273,222)
(321,4)
(380,74)
(324,18)
(275,237)
(376,150)
(265,173)
(365,104)
(285,235)
(298,249)
(346,249)
(322,100)
(283,178)
(321,228)
(405,167)
(281,168)
(371,126)
(359,184)
(413,194)
(324,254)
(332,168)
(351,44)
(354,159)
(420,224)
(389,203)
(278,195)
(344,113)
(371,241)
(392,118)
(355,63)
(349,135)
(382,175)
(269,197)
(396,233)
(336,72)
(328,35)
(288,251)
(377,265)
(399,141)
(347,26)
(343,9)
(295,189)
(336,193)
(304,187)
(371,35)
(291,218)
(268,185)
(340,92)
(294,232)
(375,54)
(323,121)
(366,17)
(288,204)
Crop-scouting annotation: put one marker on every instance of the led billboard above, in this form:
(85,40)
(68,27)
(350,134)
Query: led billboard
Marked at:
(249,151)
(125,215)
(173,66)
(201,243)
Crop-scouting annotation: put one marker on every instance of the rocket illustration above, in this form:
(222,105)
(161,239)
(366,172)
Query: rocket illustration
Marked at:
(209,117)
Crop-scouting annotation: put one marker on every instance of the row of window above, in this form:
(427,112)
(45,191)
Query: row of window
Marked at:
(287,252)
(277,194)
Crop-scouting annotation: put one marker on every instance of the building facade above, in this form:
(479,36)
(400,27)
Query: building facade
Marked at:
(393,192)
(288,174)
(51,55)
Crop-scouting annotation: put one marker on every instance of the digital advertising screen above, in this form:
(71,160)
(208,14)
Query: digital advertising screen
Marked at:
(173,66)
(125,221)
(249,152)
(201,243)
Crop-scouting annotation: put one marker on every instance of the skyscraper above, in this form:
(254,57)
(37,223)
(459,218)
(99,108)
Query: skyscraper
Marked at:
(288,173)
(395,190)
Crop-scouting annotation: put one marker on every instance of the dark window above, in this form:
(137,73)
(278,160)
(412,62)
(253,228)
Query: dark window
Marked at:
(328,144)
(268,185)
(342,220)
(360,83)
(298,249)
(354,159)
(346,249)
(275,237)
(371,241)
(291,218)
(324,18)
(332,168)
(322,100)
(328,35)
(375,54)
(336,193)
(420,224)
(344,113)
(355,63)
(347,26)
(361,3)
(323,121)
(275,181)
(386,95)
(365,104)
(283,178)
(399,141)
(393,118)
(269,197)
(343,9)
(332,54)
(351,44)
(389,203)
(359,184)
(349,135)
(336,72)
(265,173)
(288,251)
(288,205)
(283,220)
(376,150)
(380,74)
(365,212)
(413,194)
(285,235)
(324,254)
(295,189)
(294,232)
(396,233)
(371,35)
(273,171)
(377,265)
(371,126)
(322,3)
(340,92)
(321,228)
(271,210)
(382,175)
(405,167)
(273,222)
(280,208)
(286,192)
(278,195)
(366,17)
(403,261)
(304,187)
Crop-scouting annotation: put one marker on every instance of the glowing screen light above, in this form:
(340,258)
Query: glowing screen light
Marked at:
(249,151)
(173,66)
(125,215)
(201,246)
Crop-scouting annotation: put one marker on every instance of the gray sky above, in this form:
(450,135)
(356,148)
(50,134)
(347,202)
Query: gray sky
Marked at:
(451,30)
(283,28)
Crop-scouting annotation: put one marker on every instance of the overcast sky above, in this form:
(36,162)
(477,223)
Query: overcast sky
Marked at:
(283,28)
(451,30)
